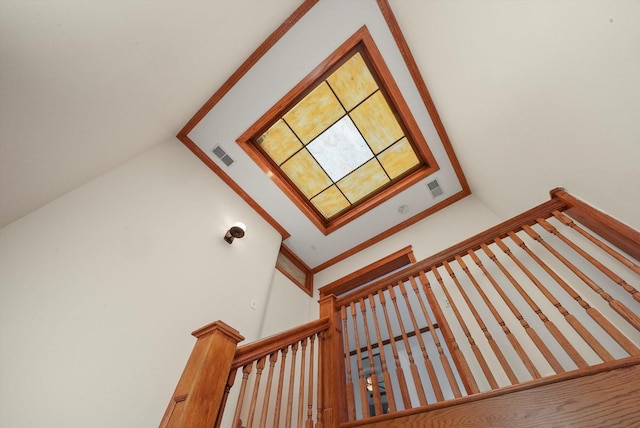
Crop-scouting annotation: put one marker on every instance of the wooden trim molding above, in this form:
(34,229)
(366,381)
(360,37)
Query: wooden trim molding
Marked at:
(370,272)
(393,25)
(259,53)
(361,41)
(247,65)
(389,232)
(307,284)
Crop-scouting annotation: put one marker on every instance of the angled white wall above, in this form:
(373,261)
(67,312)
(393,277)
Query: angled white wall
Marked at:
(101,288)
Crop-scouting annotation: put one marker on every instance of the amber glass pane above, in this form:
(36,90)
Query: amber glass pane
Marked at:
(398,159)
(363,181)
(305,172)
(376,122)
(315,113)
(330,202)
(352,82)
(279,142)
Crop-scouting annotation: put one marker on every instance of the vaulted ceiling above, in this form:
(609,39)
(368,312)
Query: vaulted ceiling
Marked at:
(533,94)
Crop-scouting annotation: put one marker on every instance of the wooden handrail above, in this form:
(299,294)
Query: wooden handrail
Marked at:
(256,350)
(501,230)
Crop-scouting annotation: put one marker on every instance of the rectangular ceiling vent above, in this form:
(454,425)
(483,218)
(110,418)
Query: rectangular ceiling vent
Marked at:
(434,188)
(222,155)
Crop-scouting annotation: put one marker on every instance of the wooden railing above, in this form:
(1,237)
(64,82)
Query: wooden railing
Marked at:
(281,381)
(536,297)
(548,296)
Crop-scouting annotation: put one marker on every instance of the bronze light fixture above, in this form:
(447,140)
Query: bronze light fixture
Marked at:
(236,231)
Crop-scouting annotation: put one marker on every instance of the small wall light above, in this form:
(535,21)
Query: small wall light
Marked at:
(236,231)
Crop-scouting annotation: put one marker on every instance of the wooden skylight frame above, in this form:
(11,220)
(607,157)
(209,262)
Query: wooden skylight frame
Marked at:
(361,42)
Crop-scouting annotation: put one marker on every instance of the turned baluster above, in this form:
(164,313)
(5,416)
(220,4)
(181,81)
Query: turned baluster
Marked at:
(350,392)
(246,370)
(292,379)
(267,395)
(474,347)
(487,334)
(309,423)
(404,391)
(362,382)
(459,359)
(542,347)
(613,253)
(509,335)
(621,309)
(571,319)
(230,380)
(602,268)
(417,382)
(254,396)
(550,325)
(427,362)
(375,387)
(301,386)
(276,416)
(443,359)
(383,359)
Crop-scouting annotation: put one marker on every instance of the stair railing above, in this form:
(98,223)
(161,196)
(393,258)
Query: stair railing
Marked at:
(549,293)
(546,296)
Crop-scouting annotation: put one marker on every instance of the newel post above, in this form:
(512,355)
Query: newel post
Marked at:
(332,360)
(200,391)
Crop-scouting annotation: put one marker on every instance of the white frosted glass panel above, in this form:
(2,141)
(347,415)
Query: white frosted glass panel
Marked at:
(340,149)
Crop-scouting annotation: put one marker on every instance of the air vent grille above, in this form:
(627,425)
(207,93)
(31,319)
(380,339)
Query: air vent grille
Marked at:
(222,155)
(434,188)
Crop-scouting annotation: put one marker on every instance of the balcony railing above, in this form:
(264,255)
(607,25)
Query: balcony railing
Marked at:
(546,296)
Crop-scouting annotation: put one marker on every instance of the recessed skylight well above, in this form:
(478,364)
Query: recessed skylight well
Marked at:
(342,141)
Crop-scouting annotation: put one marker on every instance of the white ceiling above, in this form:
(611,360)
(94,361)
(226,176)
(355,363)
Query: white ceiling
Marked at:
(533,94)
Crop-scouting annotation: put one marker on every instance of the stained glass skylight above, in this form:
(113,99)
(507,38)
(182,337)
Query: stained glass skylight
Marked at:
(343,141)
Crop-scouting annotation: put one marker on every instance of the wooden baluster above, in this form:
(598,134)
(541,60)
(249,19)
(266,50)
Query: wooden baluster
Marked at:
(351,412)
(276,416)
(402,383)
(417,382)
(474,347)
(292,379)
(362,382)
(487,334)
(322,337)
(246,370)
(571,319)
(533,371)
(443,358)
(230,380)
(377,401)
(301,390)
(527,328)
(466,376)
(254,396)
(621,309)
(427,362)
(309,423)
(613,253)
(602,268)
(267,394)
(553,329)
(383,359)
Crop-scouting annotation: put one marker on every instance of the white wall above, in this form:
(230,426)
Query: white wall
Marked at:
(287,306)
(101,288)
(441,230)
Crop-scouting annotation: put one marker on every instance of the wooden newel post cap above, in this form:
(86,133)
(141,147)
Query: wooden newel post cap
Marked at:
(219,327)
